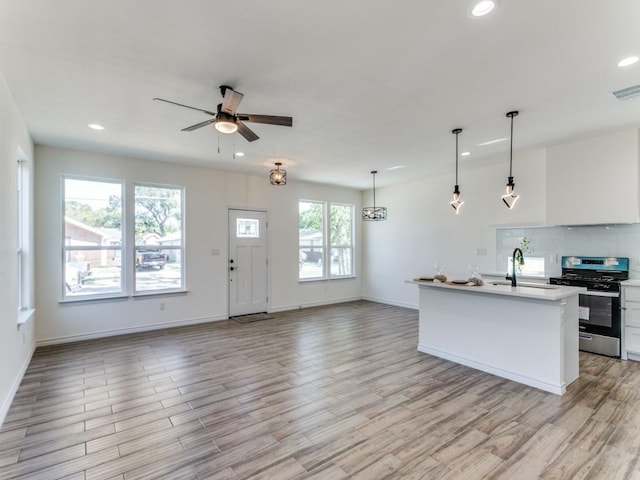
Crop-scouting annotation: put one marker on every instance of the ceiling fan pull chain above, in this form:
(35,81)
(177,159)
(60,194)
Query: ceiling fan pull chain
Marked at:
(218,144)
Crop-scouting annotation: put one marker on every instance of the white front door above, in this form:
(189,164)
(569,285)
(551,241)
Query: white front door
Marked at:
(247,262)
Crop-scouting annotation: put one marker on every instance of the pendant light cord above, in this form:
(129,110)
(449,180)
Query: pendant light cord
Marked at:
(511,150)
(457,133)
(512,114)
(374,189)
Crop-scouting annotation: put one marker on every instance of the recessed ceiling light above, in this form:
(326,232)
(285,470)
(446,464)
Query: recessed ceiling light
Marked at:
(239,154)
(491,142)
(465,154)
(483,7)
(395,168)
(95,126)
(625,62)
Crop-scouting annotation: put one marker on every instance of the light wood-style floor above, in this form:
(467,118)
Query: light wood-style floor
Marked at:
(324,393)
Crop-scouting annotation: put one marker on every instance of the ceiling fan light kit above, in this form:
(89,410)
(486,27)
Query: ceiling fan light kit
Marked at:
(510,198)
(374,213)
(225,123)
(456,203)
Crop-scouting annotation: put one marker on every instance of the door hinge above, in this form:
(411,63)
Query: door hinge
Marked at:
(267,261)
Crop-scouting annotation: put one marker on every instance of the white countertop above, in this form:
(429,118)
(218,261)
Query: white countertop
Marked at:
(524,290)
(630,283)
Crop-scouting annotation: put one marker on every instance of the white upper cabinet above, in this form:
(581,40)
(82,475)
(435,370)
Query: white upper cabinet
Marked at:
(594,180)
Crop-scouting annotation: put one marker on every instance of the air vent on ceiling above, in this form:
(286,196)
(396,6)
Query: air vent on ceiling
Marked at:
(628,92)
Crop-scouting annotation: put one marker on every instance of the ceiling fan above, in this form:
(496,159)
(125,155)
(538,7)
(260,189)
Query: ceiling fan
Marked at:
(227,120)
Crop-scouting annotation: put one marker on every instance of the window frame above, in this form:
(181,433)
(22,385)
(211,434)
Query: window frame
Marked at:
(327,242)
(66,249)
(179,248)
(24,239)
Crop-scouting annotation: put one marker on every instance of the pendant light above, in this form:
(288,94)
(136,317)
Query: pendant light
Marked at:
(456,203)
(510,198)
(374,213)
(278,176)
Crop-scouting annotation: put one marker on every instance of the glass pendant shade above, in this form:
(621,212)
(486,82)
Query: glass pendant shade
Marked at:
(278,176)
(510,198)
(374,213)
(456,203)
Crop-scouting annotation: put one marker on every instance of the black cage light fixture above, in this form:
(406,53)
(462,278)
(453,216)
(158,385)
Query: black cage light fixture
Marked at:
(278,176)
(510,198)
(456,203)
(374,213)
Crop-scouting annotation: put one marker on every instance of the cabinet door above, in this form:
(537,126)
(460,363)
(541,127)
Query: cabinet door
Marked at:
(632,339)
(632,314)
(608,162)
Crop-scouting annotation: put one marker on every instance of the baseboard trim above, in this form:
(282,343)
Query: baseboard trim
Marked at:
(6,404)
(386,301)
(286,308)
(124,331)
(532,382)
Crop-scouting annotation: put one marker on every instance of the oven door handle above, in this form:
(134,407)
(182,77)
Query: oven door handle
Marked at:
(591,293)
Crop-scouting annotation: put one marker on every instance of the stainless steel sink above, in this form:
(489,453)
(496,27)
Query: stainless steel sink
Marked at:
(526,284)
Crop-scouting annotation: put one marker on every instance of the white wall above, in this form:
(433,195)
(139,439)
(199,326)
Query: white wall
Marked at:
(423,228)
(209,194)
(16,346)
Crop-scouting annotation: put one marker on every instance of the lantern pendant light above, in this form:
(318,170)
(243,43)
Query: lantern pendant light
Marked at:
(510,198)
(374,213)
(456,203)
(278,176)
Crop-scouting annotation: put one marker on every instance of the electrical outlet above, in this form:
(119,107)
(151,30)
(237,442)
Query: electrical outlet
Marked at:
(162,306)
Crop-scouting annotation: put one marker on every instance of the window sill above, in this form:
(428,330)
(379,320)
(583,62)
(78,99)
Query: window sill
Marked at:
(71,301)
(140,295)
(25,316)
(324,279)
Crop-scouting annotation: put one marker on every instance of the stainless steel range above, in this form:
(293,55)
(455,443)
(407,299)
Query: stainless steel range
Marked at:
(600,318)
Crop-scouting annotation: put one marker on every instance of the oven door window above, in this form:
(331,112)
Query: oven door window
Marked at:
(597,311)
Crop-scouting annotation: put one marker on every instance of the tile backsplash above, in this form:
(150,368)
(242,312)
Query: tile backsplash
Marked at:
(551,243)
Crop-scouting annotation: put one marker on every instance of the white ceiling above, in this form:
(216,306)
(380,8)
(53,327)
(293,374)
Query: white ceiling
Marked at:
(370,84)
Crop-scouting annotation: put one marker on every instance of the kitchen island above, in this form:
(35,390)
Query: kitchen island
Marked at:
(528,334)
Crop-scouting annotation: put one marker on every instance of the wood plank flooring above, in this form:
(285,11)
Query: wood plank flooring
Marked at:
(322,393)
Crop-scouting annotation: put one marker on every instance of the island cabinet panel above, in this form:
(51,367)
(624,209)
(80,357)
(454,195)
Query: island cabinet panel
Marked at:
(522,338)
(594,180)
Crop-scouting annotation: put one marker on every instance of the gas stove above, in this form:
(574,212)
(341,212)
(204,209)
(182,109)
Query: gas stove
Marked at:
(599,274)
(599,307)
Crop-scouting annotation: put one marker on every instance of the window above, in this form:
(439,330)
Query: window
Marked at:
(23,235)
(314,221)
(340,226)
(93,238)
(533,266)
(158,236)
(97,251)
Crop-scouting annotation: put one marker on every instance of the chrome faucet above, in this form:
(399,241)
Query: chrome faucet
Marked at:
(518,256)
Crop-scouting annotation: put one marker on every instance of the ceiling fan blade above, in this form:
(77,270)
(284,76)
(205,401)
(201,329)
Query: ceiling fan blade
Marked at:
(268,119)
(231,101)
(198,125)
(246,132)
(185,106)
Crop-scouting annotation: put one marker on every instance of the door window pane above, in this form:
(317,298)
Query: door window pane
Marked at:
(247,228)
(92,237)
(159,242)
